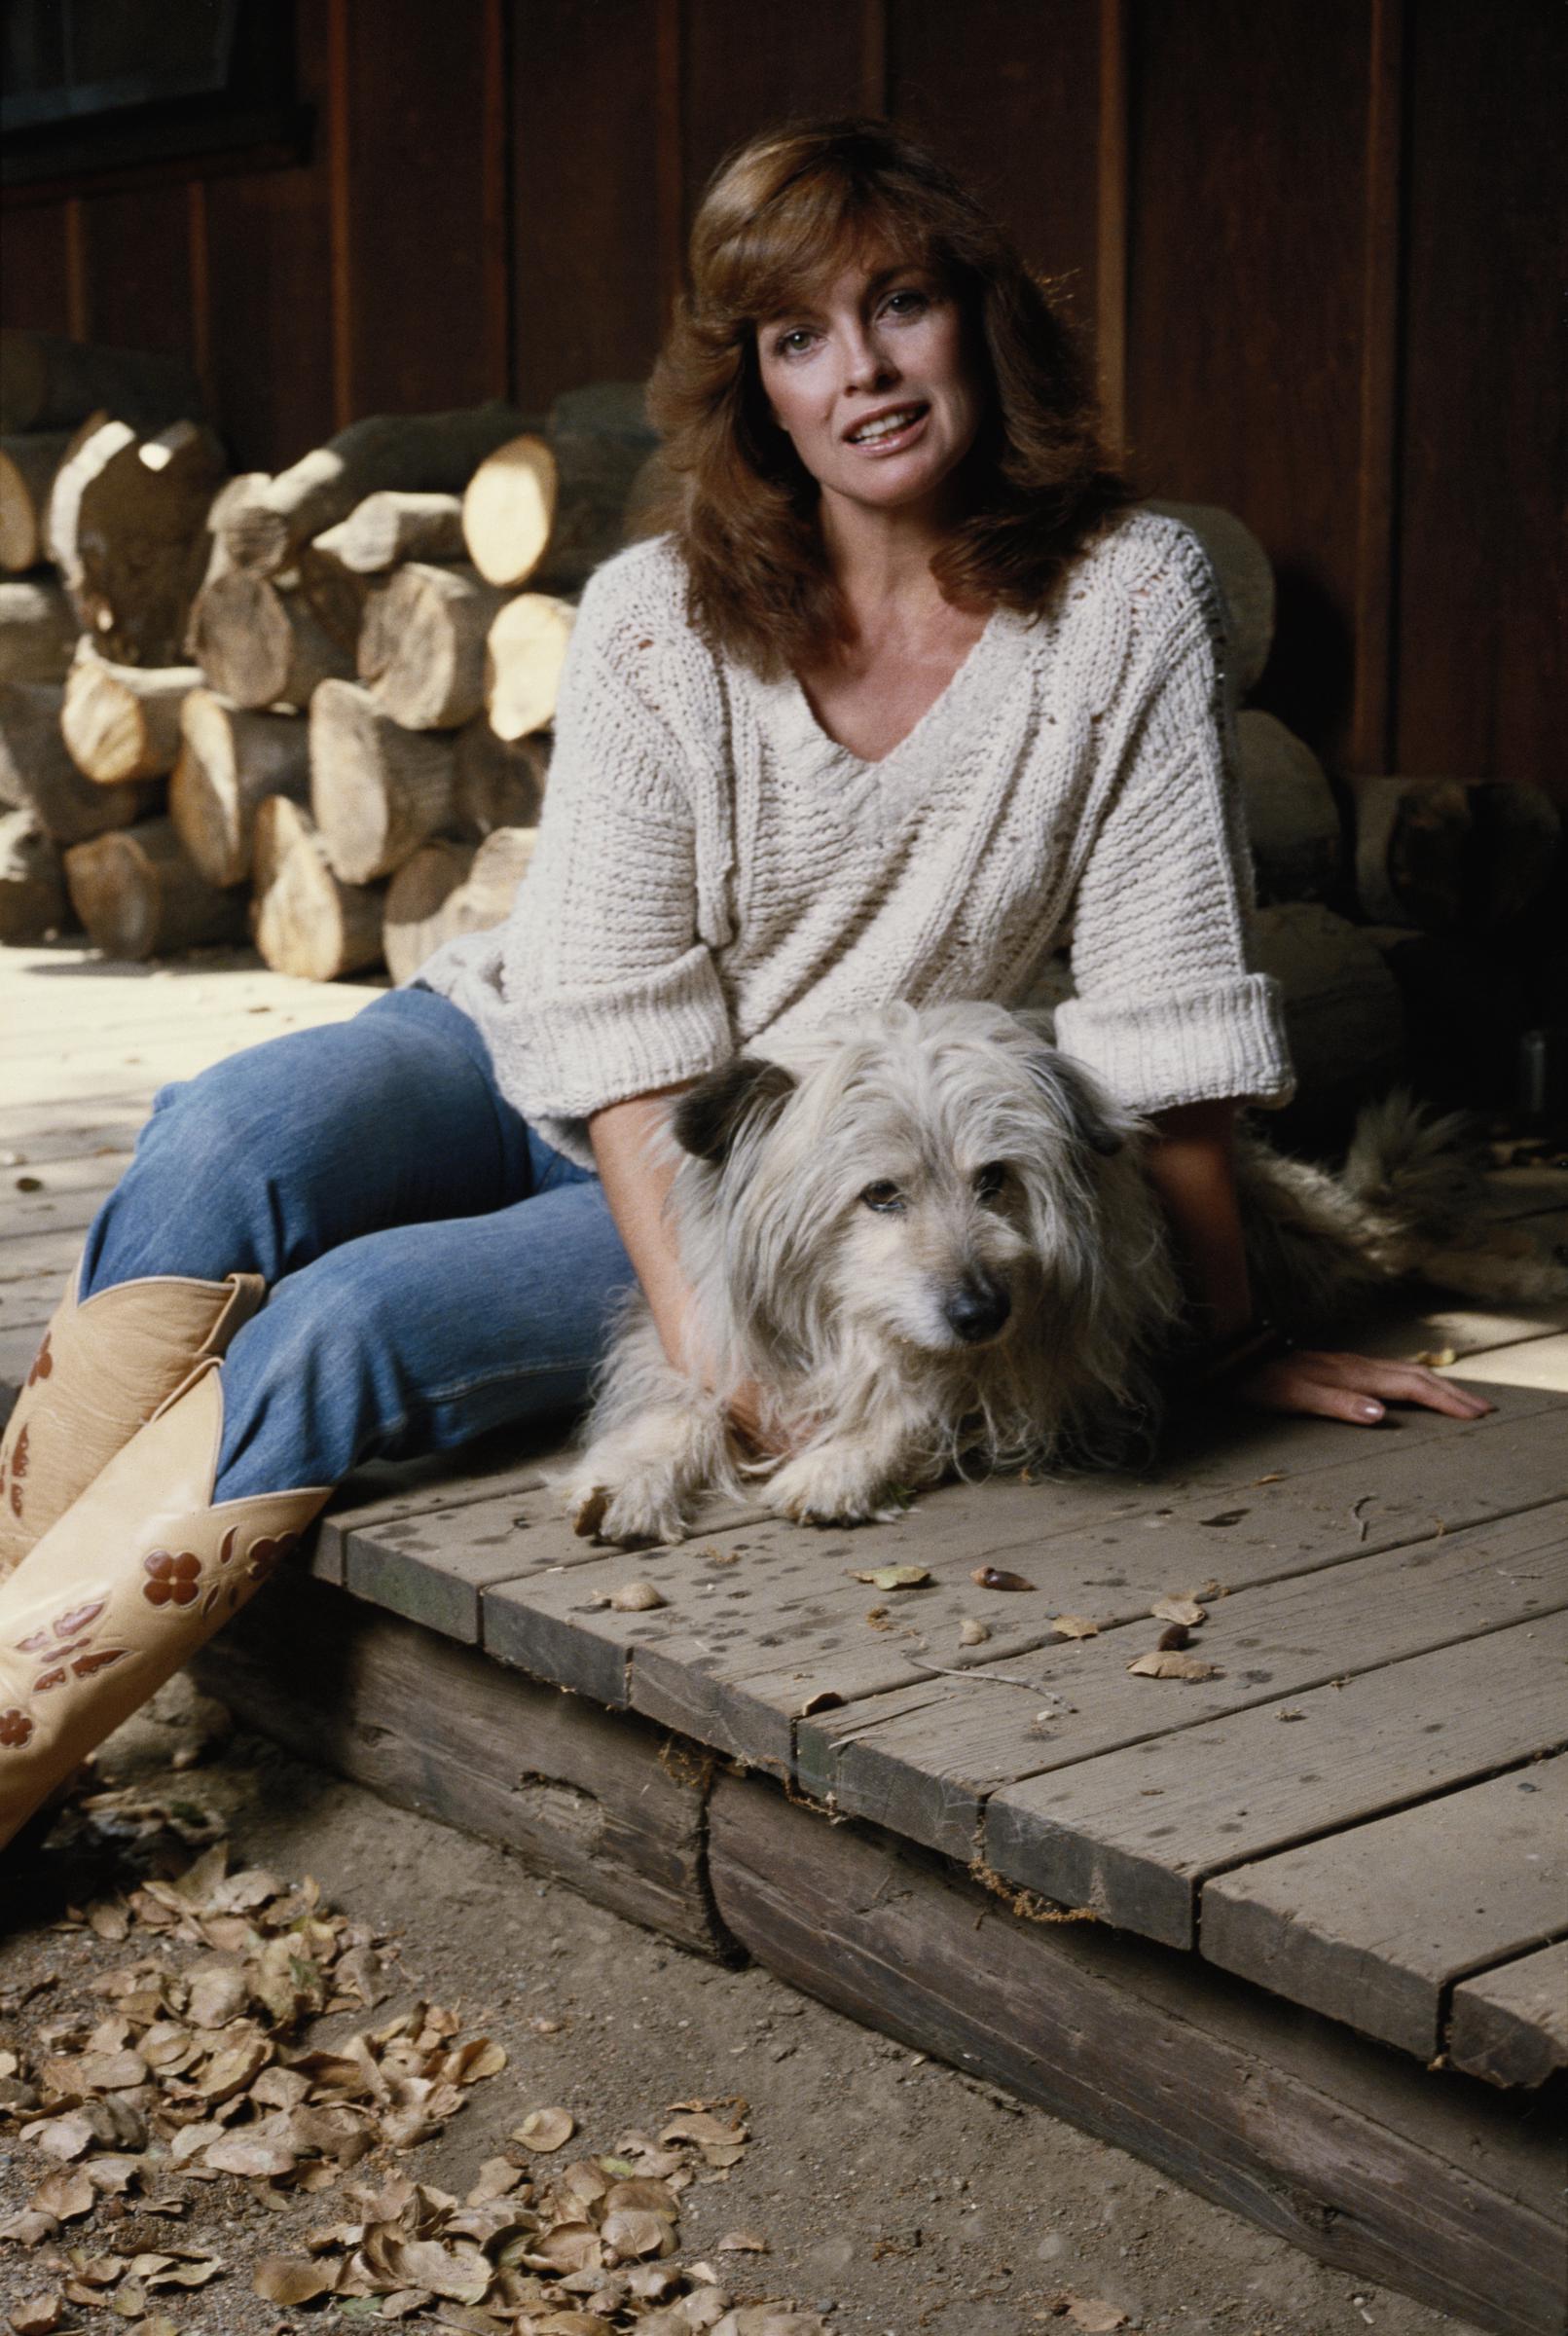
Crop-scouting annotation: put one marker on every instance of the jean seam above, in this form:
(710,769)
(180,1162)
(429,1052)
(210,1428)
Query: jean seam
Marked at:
(429,1398)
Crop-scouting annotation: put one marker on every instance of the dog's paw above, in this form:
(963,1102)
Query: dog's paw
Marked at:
(642,1514)
(832,1487)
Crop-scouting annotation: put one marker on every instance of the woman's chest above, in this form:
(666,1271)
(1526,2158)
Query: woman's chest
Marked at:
(871,701)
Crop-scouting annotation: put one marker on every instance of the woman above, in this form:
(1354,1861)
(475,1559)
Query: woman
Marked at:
(905,687)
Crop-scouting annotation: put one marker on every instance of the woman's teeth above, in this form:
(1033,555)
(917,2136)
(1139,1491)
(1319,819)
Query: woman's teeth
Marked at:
(884,427)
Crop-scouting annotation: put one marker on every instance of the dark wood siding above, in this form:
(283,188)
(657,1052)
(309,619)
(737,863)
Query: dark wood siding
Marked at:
(1318,245)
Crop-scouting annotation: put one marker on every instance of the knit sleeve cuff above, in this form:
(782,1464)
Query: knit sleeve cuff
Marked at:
(593,1046)
(1226,1041)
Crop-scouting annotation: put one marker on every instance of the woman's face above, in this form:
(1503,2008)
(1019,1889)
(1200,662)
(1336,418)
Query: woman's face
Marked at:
(873,380)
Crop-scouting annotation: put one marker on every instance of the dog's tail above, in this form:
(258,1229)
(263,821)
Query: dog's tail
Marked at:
(1410,1202)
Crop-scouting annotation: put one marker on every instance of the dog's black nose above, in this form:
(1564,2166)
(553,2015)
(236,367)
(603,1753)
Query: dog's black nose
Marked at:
(977,1309)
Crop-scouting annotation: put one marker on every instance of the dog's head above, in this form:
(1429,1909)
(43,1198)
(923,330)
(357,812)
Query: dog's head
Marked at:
(933,1179)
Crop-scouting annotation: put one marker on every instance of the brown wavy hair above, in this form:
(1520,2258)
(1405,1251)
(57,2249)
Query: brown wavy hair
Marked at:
(781,213)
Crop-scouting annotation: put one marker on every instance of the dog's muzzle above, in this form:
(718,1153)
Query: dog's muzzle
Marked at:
(978,1308)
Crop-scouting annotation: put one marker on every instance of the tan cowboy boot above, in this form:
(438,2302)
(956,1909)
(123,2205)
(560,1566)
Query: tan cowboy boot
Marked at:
(139,1571)
(101,1372)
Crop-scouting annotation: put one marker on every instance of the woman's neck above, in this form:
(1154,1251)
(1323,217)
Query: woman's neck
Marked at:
(881,560)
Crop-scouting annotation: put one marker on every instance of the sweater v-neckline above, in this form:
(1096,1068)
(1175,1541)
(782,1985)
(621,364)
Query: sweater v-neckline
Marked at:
(923,747)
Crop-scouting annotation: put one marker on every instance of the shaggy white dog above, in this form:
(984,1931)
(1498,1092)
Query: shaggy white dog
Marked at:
(928,1238)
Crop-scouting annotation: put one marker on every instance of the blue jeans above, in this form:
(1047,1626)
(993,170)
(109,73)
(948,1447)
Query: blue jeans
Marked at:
(434,1267)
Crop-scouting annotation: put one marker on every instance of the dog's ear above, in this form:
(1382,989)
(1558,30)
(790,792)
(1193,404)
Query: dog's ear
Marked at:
(746,1092)
(1077,1096)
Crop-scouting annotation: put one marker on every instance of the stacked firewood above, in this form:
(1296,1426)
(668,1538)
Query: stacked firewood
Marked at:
(316,707)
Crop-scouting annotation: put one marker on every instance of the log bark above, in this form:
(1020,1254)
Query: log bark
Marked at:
(524,656)
(376,790)
(27,468)
(1343,1009)
(257,646)
(496,782)
(427,453)
(449,888)
(424,904)
(388,527)
(141,896)
(605,409)
(423,645)
(546,511)
(231,760)
(1292,821)
(304,920)
(337,598)
(123,721)
(51,384)
(32,879)
(1412,843)
(500,864)
(1246,579)
(127,527)
(1439,856)
(38,632)
(37,773)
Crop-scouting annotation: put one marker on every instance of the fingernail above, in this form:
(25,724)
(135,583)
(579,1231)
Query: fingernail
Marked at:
(1368,1410)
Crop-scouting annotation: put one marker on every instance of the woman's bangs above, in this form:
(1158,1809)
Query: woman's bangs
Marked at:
(808,235)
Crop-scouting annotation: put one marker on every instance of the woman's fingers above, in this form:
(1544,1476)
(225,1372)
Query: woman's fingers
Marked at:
(1355,1387)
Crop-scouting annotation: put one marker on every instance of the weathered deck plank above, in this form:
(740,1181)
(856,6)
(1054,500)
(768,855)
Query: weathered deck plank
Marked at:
(1511,2025)
(738,1665)
(1136,1834)
(1351,2151)
(924,1759)
(437,1726)
(1373,1926)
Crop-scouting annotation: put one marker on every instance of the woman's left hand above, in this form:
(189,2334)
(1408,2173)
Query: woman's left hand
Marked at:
(1352,1387)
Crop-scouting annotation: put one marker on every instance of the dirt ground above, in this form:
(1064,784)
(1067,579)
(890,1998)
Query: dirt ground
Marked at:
(895,2195)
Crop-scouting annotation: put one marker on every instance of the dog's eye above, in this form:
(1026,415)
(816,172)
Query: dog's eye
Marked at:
(884,1197)
(991,1180)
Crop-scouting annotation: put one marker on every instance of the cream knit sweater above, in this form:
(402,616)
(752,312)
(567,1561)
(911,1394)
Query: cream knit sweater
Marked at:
(713,869)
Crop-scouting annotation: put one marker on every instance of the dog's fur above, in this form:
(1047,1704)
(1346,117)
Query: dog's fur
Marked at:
(928,1236)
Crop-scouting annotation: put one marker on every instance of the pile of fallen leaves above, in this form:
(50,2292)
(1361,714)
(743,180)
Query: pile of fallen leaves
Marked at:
(196,2063)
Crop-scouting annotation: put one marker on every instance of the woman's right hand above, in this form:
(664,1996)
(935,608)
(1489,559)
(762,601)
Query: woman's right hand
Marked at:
(758,1425)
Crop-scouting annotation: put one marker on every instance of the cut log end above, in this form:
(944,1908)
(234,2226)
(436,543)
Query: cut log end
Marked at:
(139,896)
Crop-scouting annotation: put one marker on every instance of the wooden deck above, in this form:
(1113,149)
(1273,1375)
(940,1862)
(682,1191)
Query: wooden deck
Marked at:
(1350,1837)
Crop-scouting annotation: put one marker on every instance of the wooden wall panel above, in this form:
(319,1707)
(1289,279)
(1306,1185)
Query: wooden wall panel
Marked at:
(1006,91)
(1247,141)
(1482,675)
(588,295)
(413,278)
(270,289)
(34,284)
(137,263)
(744,69)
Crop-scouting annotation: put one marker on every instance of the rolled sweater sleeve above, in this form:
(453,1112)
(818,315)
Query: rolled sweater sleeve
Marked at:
(1167,1011)
(614,989)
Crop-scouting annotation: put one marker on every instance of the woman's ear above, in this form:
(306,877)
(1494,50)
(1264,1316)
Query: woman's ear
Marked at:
(746,1093)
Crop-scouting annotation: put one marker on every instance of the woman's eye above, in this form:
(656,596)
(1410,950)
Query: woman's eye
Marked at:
(885,1198)
(908,303)
(793,344)
(990,1182)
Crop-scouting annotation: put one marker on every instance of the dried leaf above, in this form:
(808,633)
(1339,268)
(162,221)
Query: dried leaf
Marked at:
(252,2154)
(1089,2312)
(633,2231)
(972,1633)
(636,1598)
(738,2243)
(895,1577)
(1171,1664)
(997,1577)
(1174,1608)
(290,2280)
(1174,1635)
(38,2315)
(1226,1516)
(545,2129)
(65,2196)
(1074,1625)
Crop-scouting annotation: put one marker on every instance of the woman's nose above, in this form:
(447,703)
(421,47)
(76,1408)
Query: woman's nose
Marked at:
(869,361)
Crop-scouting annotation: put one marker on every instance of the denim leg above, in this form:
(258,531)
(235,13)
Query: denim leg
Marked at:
(279,1154)
(417,1339)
